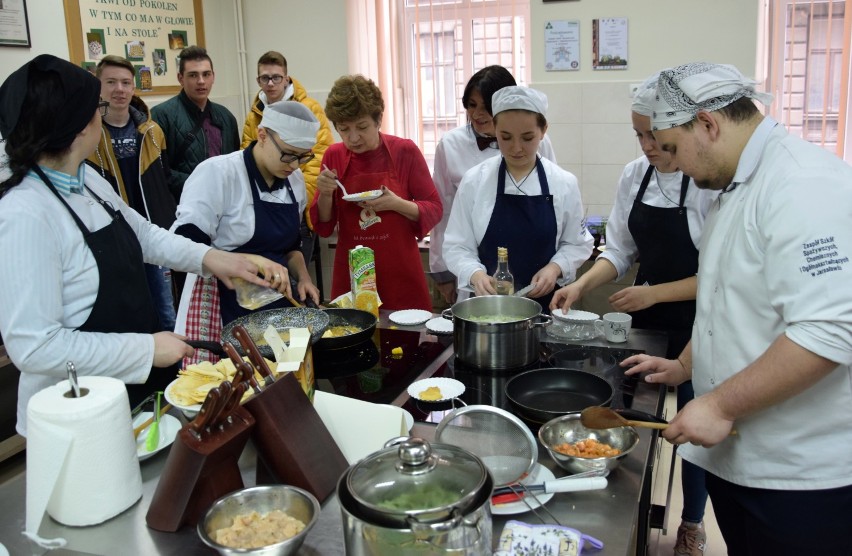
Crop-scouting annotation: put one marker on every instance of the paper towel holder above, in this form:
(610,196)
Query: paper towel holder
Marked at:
(76,391)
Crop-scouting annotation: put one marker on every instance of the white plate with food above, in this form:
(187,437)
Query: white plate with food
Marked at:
(190,410)
(436,389)
(169,428)
(410,317)
(439,325)
(538,475)
(363,196)
(574,315)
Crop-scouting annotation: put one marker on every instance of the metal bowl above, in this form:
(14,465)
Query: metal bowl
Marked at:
(294,501)
(282,319)
(568,428)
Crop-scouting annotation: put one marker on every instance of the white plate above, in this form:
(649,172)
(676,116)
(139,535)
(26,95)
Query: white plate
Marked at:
(538,475)
(574,315)
(410,317)
(169,428)
(188,410)
(450,388)
(439,325)
(363,196)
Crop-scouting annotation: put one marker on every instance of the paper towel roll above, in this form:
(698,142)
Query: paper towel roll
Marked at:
(81,457)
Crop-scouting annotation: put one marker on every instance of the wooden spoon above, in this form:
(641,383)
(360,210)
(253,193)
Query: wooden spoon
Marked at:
(604,418)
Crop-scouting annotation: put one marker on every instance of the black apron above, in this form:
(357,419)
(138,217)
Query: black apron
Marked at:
(666,254)
(526,225)
(123,303)
(276,233)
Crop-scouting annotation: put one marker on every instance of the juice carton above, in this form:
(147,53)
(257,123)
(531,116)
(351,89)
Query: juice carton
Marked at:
(362,274)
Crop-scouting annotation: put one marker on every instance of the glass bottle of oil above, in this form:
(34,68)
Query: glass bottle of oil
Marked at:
(504,282)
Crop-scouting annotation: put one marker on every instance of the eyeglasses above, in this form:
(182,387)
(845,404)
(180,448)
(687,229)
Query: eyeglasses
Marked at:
(265,79)
(103,106)
(290,158)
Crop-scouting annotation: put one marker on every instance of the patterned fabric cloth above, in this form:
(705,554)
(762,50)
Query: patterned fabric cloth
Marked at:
(684,91)
(203,321)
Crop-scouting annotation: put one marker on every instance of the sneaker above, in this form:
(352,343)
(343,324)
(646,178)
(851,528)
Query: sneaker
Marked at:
(691,539)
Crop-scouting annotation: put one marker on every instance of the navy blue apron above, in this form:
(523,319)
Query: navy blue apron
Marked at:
(123,303)
(526,225)
(276,233)
(666,254)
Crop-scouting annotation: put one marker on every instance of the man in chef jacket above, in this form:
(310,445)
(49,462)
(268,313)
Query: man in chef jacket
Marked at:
(771,347)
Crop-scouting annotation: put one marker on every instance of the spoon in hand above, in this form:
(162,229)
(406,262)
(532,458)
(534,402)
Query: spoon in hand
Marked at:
(604,418)
(337,181)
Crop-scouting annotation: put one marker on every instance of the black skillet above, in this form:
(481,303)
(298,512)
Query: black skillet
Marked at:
(542,394)
(364,321)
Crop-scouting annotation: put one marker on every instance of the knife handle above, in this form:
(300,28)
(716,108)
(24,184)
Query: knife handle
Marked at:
(232,354)
(242,335)
(202,420)
(575,485)
(233,402)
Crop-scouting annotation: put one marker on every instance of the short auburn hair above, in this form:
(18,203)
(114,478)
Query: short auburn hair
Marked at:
(272,58)
(115,61)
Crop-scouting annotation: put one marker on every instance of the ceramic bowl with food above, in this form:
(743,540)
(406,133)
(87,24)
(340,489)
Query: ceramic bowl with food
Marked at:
(294,502)
(567,430)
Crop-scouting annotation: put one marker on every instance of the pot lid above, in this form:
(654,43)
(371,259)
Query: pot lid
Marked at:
(415,478)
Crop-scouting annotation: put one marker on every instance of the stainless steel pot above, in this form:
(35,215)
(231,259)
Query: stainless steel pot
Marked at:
(413,498)
(496,345)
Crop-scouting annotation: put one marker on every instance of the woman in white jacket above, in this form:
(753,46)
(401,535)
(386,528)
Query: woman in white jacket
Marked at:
(519,201)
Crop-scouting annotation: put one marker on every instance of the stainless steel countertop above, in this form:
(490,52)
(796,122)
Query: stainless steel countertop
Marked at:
(611,515)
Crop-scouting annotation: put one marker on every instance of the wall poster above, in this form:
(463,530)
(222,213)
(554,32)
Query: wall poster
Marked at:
(149,33)
(14,27)
(609,43)
(561,45)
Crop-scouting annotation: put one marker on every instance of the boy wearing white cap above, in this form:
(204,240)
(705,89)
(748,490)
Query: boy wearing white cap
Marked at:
(771,351)
(249,202)
(519,201)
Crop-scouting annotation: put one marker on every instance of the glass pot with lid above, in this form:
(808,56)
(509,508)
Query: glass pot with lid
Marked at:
(413,495)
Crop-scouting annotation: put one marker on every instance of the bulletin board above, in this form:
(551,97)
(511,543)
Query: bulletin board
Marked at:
(149,33)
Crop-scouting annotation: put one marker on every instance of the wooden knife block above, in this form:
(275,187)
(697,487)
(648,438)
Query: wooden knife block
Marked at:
(294,446)
(198,472)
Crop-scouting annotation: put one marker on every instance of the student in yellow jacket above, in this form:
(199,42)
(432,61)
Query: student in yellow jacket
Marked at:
(276,85)
(130,157)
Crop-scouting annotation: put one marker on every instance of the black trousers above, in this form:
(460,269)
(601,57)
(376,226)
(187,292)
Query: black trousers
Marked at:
(761,522)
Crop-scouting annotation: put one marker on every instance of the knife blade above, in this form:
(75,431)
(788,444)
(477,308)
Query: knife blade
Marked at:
(254,355)
(524,291)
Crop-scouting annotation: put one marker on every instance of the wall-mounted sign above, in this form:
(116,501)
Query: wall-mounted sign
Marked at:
(14,28)
(609,43)
(561,45)
(149,33)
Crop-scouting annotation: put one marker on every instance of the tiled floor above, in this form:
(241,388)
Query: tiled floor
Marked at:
(663,544)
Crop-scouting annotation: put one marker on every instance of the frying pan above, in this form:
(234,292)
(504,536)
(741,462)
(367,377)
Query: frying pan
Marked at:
(289,317)
(363,320)
(542,394)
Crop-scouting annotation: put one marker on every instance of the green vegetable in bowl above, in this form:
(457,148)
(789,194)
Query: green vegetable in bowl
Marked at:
(425,498)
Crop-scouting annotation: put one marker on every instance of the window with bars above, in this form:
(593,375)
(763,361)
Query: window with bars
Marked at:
(809,70)
(443,43)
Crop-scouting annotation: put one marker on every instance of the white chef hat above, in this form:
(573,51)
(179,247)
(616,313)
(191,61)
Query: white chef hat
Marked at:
(643,98)
(685,90)
(518,98)
(294,123)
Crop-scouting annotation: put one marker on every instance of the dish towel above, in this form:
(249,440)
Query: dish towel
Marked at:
(522,539)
